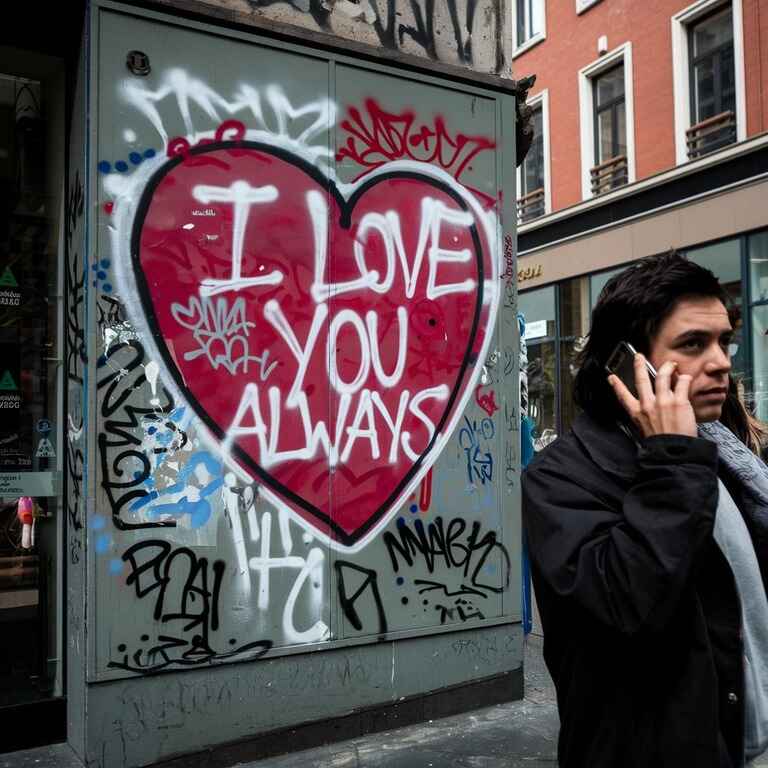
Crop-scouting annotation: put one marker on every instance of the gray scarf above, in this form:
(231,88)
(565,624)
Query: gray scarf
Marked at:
(733,538)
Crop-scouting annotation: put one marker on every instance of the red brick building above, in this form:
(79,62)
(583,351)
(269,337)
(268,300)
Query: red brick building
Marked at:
(651,121)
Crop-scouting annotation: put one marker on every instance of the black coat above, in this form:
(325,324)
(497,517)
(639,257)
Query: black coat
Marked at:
(639,607)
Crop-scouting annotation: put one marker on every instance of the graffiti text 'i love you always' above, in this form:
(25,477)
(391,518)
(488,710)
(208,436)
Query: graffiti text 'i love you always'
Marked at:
(328,336)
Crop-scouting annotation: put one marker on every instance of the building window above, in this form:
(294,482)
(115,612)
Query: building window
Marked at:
(607,122)
(534,196)
(610,126)
(708,66)
(530,26)
(712,84)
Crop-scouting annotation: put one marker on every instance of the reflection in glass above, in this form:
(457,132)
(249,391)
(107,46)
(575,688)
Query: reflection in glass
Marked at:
(530,19)
(760,361)
(610,86)
(571,309)
(758,269)
(533,165)
(536,307)
(572,328)
(568,351)
(541,392)
(723,259)
(621,130)
(712,33)
(28,391)
(758,266)
(598,282)
(605,137)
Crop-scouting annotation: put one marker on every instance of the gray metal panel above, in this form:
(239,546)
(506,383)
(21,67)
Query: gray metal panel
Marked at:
(193,549)
(76,436)
(508,361)
(445,584)
(141,721)
(159,598)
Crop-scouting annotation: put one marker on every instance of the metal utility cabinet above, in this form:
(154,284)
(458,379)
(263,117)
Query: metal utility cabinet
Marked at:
(292,463)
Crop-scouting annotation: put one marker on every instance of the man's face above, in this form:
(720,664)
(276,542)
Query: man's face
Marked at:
(696,335)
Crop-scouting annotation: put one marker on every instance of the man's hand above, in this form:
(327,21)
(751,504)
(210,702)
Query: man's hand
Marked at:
(666,411)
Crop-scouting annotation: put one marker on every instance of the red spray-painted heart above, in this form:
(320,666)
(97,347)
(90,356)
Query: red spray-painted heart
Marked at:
(328,342)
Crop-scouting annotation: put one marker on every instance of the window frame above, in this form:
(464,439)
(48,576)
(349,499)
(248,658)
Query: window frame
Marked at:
(540,101)
(519,47)
(681,69)
(586,78)
(611,106)
(716,57)
(584,5)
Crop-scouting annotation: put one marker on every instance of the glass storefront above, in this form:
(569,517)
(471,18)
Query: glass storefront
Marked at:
(31,528)
(539,309)
(573,326)
(566,308)
(724,259)
(757,249)
(554,324)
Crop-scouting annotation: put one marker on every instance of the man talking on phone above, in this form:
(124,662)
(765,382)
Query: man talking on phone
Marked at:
(647,527)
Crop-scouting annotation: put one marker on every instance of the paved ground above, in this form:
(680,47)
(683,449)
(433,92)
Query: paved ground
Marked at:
(522,734)
(518,735)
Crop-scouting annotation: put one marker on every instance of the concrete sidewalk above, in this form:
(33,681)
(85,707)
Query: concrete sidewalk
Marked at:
(516,735)
(521,734)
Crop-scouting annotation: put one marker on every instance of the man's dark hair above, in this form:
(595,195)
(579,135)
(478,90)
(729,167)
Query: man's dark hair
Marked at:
(631,307)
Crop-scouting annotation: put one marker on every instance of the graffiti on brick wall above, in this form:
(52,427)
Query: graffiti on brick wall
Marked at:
(284,357)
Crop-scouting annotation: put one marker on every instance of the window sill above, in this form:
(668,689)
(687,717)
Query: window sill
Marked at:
(531,219)
(528,44)
(596,195)
(584,5)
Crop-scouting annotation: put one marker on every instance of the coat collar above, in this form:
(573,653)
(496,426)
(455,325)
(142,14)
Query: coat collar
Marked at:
(610,448)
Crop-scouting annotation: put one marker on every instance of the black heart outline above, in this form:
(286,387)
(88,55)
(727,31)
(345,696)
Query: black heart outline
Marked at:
(346,207)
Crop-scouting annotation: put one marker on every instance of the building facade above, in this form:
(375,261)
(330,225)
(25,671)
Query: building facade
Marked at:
(652,121)
(259,446)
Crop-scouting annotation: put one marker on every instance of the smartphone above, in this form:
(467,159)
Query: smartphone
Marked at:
(621,363)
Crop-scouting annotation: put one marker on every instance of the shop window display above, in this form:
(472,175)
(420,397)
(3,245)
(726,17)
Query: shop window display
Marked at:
(555,326)
(539,310)
(757,245)
(29,394)
(567,306)
(724,260)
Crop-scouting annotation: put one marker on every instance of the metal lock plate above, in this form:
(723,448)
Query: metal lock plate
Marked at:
(138,63)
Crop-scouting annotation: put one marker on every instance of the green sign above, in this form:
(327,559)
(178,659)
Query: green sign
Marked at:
(7,279)
(7,382)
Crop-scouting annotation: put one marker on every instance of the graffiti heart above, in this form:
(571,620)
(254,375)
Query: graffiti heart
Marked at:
(373,304)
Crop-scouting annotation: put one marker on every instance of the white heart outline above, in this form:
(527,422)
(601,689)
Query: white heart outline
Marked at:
(127,192)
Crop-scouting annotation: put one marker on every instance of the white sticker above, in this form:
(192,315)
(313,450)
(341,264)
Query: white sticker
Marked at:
(535,330)
(15,484)
(45,449)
